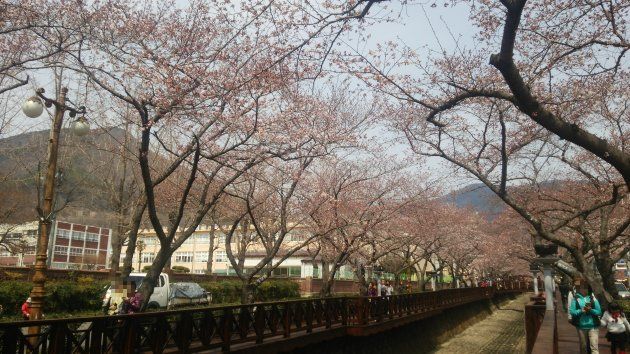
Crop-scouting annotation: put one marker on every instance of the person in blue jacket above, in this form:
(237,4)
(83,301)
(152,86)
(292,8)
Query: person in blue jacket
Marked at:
(585,311)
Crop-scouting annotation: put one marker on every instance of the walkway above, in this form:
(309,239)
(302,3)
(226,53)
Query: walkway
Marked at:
(568,342)
(502,332)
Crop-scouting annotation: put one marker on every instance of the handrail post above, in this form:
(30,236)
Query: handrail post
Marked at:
(129,342)
(362,310)
(286,321)
(259,324)
(226,333)
(96,336)
(9,340)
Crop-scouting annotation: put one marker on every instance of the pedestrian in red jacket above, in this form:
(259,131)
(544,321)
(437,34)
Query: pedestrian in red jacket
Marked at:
(26,314)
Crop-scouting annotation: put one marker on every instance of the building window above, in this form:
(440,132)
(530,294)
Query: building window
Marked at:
(91,237)
(14,236)
(203,238)
(281,272)
(78,235)
(5,253)
(31,233)
(200,271)
(183,257)
(220,239)
(61,250)
(201,256)
(59,265)
(297,236)
(150,240)
(76,251)
(148,257)
(63,233)
(295,272)
(90,252)
(220,256)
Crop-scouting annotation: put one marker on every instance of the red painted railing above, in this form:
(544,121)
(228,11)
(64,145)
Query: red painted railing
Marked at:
(198,329)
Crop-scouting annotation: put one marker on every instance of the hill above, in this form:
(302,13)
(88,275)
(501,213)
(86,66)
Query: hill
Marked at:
(478,197)
(85,166)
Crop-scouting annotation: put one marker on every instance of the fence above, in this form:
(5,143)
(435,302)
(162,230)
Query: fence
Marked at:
(199,329)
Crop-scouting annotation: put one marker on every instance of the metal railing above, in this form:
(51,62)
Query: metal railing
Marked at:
(195,329)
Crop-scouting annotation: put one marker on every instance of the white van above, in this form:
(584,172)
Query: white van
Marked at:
(164,293)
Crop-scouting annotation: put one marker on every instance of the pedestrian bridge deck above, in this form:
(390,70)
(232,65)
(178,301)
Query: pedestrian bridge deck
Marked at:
(260,327)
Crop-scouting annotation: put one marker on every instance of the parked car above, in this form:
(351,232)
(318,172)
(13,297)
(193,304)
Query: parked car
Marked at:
(622,291)
(165,294)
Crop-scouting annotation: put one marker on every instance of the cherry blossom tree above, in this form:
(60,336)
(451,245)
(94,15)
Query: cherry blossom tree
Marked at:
(362,198)
(551,106)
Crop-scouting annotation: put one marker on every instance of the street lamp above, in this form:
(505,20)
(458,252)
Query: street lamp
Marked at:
(546,253)
(533,268)
(140,246)
(378,272)
(33,108)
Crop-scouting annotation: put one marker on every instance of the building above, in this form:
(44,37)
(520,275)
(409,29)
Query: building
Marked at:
(71,245)
(18,244)
(76,246)
(194,254)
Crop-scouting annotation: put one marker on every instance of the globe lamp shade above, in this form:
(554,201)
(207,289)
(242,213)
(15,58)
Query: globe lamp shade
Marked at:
(33,107)
(81,127)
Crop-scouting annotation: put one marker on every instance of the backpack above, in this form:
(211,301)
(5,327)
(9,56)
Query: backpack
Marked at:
(575,320)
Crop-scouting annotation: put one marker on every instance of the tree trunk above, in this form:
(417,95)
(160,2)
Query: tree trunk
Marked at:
(421,277)
(128,262)
(114,262)
(247,293)
(210,250)
(363,284)
(596,286)
(330,280)
(167,266)
(149,281)
(605,266)
(131,240)
(122,209)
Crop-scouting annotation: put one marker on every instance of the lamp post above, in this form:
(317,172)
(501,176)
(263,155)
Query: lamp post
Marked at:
(378,272)
(533,268)
(547,258)
(33,108)
(140,248)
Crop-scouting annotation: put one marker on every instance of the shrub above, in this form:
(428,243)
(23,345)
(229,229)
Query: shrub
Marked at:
(224,291)
(85,294)
(180,269)
(75,296)
(85,280)
(229,291)
(13,294)
(625,305)
(146,269)
(13,275)
(272,290)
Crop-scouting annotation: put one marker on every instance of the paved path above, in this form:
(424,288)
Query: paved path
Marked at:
(502,332)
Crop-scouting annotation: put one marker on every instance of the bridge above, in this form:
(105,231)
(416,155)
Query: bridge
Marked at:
(260,327)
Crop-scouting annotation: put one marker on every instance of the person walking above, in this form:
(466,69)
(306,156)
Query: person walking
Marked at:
(585,312)
(617,328)
(26,314)
(565,288)
(390,289)
(372,289)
